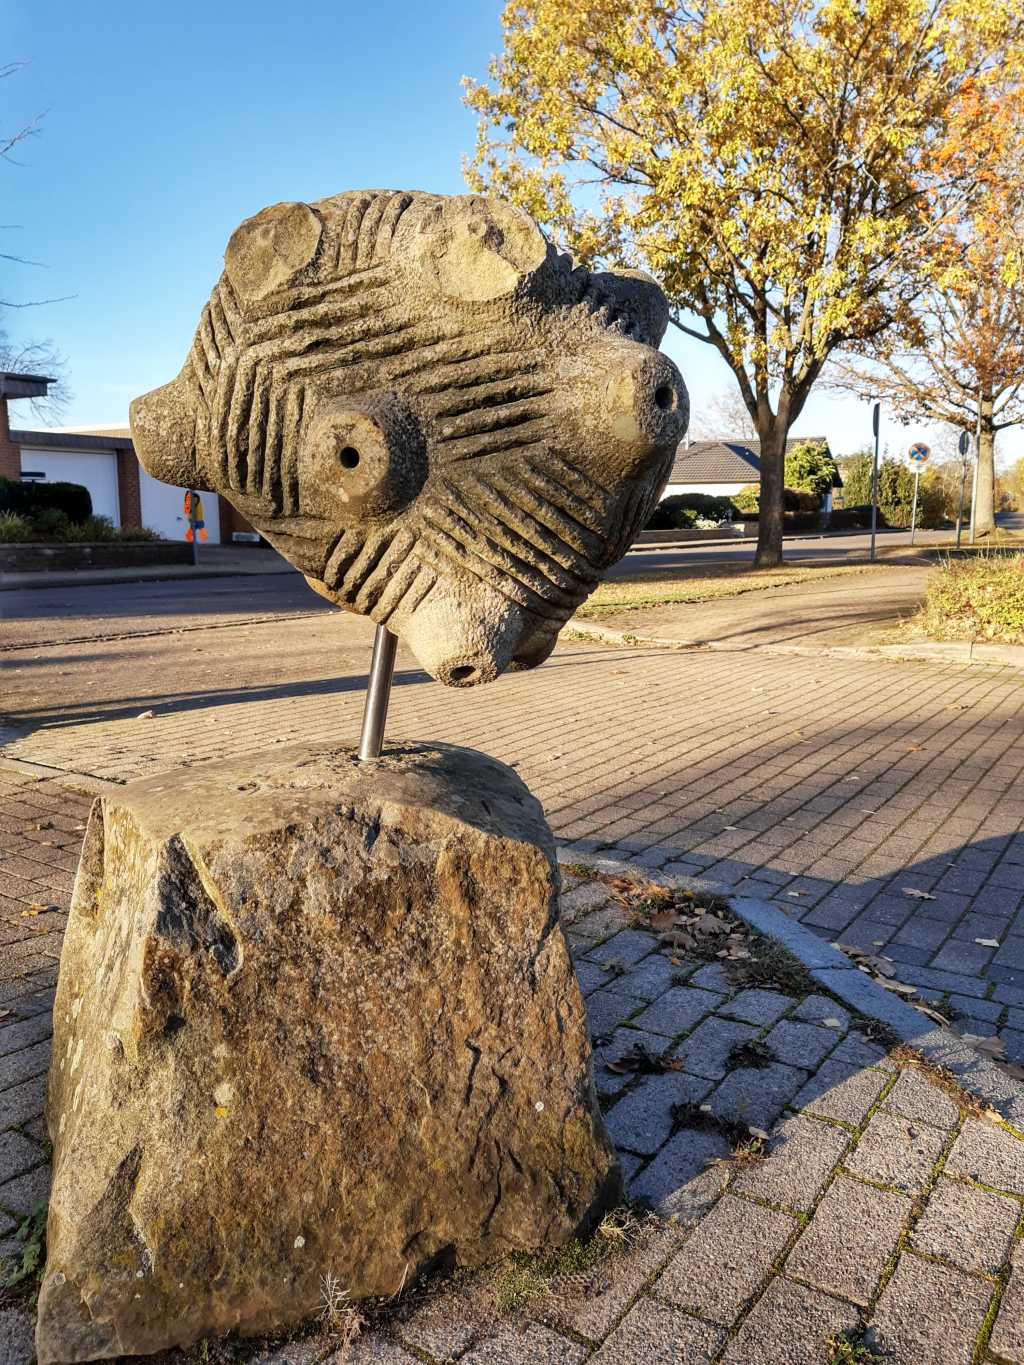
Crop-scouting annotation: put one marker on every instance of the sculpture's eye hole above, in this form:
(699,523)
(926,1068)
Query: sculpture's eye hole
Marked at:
(348,457)
(664,397)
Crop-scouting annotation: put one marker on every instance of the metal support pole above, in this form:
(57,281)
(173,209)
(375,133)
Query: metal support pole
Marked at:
(913,510)
(378,692)
(977,462)
(963,446)
(875,423)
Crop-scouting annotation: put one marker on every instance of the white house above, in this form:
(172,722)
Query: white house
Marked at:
(720,468)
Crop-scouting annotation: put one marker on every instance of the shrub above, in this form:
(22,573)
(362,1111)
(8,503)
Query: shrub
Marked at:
(702,505)
(92,529)
(14,529)
(810,468)
(659,520)
(747,501)
(981,598)
(29,499)
(50,523)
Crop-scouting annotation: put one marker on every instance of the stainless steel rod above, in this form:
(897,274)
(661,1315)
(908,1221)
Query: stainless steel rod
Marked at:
(378,692)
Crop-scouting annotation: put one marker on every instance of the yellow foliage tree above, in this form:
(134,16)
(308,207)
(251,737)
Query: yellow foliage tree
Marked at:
(767,160)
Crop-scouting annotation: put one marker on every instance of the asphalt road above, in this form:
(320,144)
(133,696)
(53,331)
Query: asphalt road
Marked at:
(38,616)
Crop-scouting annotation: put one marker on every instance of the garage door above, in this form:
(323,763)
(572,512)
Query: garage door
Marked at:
(95,469)
(162,509)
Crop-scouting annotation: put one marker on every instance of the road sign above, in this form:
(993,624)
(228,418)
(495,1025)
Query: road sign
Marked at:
(193,508)
(964,444)
(919,452)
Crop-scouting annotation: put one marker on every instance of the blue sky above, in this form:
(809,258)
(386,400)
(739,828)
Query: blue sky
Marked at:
(166,125)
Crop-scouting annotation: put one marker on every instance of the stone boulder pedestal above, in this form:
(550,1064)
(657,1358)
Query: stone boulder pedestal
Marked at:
(314,1018)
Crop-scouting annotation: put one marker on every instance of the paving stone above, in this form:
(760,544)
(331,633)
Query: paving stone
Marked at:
(587,896)
(1007,1338)
(792,1323)
(372,1349)
(651,977)
(608,1008)
(652,1333)
(946,1333)
(756,1095)
(622,1041)
(712,978)
(896,1151)
(24,1032)
(757,1006)
(706,1051)
(590,976)
(17,1337)
(677,1011)
(593,929)
(302,1351)
(800,1044)
(17,1155)
(22,1065)
(683,1180)
(802,1155)
(970,1227)
(988,1010)
(628,946)
(514,1344)
(915,1097)
(22,1194)
(442,1327)
(727,1257)
(990,1155)
(817,1008)
(846,1245)
(610,1288)
(855,1050)
(642,1120)
(840,1091)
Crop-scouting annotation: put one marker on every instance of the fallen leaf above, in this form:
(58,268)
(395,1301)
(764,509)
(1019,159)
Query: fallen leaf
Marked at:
(662,920)
(145,715)
(988,942)
(918,895)
(759,1133)
(832,1023)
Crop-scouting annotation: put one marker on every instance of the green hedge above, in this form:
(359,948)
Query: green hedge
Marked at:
(32,499)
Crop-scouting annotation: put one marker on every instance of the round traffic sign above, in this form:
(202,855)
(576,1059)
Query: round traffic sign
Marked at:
(919,452)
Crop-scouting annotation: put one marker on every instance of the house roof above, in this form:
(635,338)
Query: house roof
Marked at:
(716,462)
(729,460)
(113,438)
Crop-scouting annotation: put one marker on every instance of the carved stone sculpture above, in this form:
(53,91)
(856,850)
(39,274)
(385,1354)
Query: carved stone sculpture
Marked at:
(429,411)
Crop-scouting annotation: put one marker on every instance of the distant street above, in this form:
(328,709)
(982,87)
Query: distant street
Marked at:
(36,615)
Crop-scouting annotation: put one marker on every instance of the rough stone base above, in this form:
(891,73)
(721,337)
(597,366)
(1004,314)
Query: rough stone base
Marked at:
(314,1018)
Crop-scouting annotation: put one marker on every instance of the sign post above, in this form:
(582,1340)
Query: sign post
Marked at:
(919,453)
(977,463)
(875,422)
(963,445)
(193,507)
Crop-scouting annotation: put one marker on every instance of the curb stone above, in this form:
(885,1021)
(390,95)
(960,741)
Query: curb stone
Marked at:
(835,973)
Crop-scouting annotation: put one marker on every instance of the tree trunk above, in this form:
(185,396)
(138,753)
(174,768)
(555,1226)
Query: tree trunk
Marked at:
(984,516)
(772,436)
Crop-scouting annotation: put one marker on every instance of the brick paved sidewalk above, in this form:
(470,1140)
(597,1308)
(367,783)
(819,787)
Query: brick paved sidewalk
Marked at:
(884,1200)
(828,785)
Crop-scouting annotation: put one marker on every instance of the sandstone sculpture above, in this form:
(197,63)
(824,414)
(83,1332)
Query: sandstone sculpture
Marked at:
(314,1018)
(429,411)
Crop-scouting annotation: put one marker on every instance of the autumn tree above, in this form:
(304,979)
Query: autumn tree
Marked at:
(766,160)
(962,360)
(724,414)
